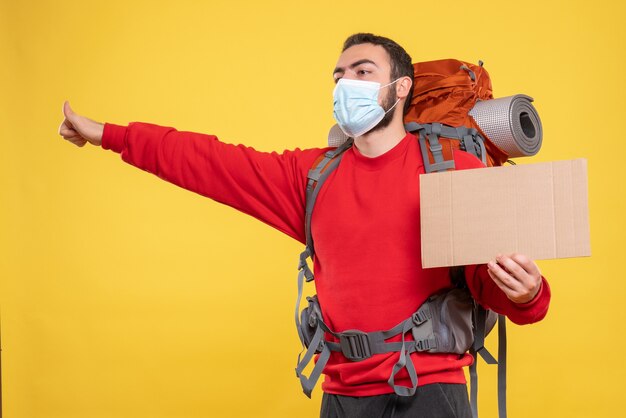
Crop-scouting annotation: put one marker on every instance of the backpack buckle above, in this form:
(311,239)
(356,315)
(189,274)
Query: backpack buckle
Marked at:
(427,344)
(355,345)
(435,148)
(421,316)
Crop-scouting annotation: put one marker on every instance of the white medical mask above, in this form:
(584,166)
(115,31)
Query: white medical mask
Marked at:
(355,105)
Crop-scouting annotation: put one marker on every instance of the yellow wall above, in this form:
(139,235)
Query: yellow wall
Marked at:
(123,296)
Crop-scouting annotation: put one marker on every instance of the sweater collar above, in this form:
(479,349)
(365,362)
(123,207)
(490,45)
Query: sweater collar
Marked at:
(376,163)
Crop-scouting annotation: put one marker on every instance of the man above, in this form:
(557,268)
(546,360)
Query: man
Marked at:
(366,226)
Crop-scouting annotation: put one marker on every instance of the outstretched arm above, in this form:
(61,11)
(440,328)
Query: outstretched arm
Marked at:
(267,186)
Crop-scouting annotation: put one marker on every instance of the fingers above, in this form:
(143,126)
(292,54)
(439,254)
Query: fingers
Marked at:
(70,134)
(526,263)
(66,128)
(76,140)
(79,142)
(516,275)
(503,278)
(508,291)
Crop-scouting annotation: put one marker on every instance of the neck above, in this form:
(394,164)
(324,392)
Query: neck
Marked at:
(378,142)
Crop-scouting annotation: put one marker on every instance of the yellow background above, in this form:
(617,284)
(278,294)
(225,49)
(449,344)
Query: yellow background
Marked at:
(125,296)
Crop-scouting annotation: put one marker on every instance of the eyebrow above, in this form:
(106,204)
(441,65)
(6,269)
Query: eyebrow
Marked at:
(354,64)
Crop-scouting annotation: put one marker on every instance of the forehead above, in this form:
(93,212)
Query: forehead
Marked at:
(368,51)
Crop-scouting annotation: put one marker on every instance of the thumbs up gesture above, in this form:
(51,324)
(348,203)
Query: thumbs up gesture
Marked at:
(78,129)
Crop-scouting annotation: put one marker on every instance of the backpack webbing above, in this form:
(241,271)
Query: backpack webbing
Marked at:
(470,141)
(316,176)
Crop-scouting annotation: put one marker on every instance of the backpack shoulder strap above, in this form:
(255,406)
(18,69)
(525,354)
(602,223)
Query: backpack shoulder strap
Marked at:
(316,177)
(434,141)
(318,174)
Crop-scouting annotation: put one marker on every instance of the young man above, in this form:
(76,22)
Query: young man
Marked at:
(366,226)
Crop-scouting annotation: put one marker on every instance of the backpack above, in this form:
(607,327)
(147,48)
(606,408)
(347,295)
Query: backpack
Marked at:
(444,92)
(445,95)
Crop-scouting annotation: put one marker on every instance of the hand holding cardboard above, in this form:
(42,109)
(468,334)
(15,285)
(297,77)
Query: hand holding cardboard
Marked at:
(517,276)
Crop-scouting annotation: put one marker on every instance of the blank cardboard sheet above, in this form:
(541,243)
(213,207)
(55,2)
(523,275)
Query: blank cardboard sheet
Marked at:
(470,216)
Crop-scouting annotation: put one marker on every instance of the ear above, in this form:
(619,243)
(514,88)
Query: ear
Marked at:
(403,86)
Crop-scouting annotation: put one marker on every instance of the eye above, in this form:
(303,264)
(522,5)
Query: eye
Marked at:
(363,72)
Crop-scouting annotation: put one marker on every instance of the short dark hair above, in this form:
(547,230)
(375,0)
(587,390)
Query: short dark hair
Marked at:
(401,62)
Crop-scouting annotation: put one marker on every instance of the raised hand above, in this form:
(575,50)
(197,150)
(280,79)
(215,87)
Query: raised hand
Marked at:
(78,129)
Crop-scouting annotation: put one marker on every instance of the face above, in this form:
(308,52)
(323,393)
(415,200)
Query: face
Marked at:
(369,62)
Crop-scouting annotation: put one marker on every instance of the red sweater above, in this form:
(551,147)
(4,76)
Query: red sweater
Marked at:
(366,227)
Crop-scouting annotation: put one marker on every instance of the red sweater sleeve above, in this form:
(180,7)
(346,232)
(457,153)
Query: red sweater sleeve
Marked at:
(267,186)
(485,290)
(490,296)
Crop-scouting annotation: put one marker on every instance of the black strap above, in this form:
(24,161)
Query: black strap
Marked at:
(473,369)
(501,366)
(478,348)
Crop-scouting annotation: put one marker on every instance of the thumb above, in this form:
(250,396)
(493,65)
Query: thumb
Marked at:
(80,126)
(67,111)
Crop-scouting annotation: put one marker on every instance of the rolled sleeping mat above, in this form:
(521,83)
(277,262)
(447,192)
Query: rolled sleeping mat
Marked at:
(511,123)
